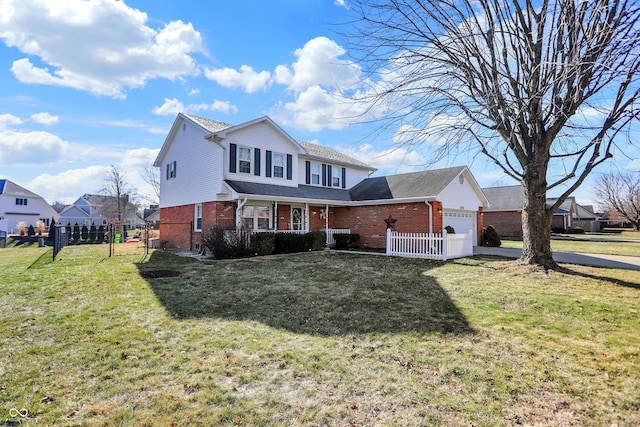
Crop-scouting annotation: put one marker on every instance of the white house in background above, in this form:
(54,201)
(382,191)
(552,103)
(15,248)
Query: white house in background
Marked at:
(99,210)
(256,176)
(17,204)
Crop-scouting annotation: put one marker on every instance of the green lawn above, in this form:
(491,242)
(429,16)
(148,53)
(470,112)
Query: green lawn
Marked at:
(605,247)
(314,339)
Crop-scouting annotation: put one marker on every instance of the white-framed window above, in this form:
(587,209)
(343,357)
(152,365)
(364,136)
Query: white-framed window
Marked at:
(255,217)
(315,173)
(335,176)
(244,160)
(278,165)
(197,217)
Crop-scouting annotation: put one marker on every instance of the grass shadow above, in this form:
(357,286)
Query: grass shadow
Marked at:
(316,293)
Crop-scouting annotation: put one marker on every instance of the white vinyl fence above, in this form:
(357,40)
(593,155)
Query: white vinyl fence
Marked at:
(430,245)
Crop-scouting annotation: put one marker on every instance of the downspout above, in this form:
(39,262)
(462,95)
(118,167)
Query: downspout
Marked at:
(430,216)
(241,203)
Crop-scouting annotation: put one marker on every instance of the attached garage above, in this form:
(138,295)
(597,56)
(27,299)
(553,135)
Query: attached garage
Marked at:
(461,220)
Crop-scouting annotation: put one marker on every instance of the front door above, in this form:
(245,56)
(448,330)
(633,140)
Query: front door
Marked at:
(297,222)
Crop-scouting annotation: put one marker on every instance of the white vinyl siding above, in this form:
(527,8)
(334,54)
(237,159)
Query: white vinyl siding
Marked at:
(264,137)
(203,177)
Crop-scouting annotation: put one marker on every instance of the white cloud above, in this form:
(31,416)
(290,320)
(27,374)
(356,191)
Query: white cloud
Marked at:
(341,3)
(318,63)
(246,79)
(389,161)
(71,184)
(172,107)
(102,47)
(45,119)
(31,148)
(9,120)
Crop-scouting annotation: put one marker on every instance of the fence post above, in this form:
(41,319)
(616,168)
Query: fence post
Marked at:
(388,241)
(444,244)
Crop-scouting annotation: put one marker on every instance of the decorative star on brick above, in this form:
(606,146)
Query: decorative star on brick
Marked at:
(391,222)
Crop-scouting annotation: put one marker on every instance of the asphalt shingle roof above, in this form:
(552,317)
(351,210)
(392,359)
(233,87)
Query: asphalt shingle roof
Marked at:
(507,198)
(324,152)
(301,192)
(406,185)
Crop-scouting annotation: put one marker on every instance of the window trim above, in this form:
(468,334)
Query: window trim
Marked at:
(274,165)
(255,218)
(316,175)
(172,169)
(197,217)
(241,160)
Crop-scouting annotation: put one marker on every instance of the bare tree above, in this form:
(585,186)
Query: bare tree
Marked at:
(543,88)
(620,192)
(151,175)
(119,190)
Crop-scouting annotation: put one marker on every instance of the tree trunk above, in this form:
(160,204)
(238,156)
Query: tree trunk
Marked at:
(536,223)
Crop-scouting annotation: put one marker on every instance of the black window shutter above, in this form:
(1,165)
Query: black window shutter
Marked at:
(324,175)
(267,171)
(256,160)
(307,168)
(233,152)
(175,168)
(329,176)
(344,178)
(289,167)
(168,169)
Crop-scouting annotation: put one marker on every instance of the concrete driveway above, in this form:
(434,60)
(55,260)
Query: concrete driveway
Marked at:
(594,260)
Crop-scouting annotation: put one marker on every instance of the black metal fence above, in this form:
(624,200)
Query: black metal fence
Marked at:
(3,239)
(60,240)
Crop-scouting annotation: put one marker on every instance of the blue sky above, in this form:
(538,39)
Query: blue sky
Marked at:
(85,85)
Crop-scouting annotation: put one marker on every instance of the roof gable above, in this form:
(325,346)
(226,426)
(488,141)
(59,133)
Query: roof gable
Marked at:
(8,187)
(505,198)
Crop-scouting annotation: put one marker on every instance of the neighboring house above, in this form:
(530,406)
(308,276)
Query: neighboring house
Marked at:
(151,216)
(100,210)
(17,204)
(505,211)
(256,176)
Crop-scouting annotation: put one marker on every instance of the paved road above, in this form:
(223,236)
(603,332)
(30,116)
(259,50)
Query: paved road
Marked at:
(595,260)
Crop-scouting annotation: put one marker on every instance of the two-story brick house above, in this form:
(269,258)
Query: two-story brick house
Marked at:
(254,175)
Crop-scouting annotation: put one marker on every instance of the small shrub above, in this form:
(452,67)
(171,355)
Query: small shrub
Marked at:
(40,227)
(575,230)
(225,244)
(31,231)
(345,240)
(450,229)
(291,242)
(76,232)
(264,243)
(491,238)
(22,228)
(93,231)
(101,233)
(318,240)
(52,230)
(84,232)
(557,230)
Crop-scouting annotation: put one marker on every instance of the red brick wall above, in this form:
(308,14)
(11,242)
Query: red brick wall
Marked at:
(176,223)
(507,224)
(368,221)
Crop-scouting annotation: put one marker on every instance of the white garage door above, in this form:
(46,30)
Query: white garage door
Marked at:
(461,221)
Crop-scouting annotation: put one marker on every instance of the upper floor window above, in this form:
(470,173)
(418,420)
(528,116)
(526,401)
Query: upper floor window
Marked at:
(278,165)
(335,176)
(171,170)
(244,156)
(315,173)
(21,202)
